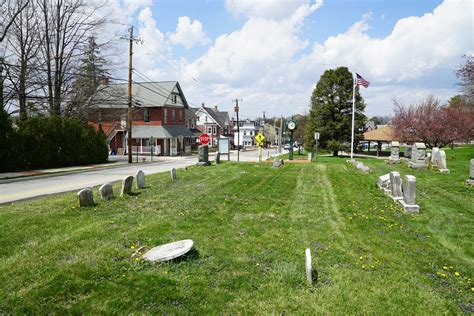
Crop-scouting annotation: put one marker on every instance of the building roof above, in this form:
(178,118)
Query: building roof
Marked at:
(144,94)
(160,131)
(380,134)
(220,117)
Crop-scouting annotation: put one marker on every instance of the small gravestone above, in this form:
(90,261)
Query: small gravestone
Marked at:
(85,197)
(434,156)
(394,153)
(310,156)
(127,184)
(384,183)
(352,161)
(395,186)
(173,174)
(418,156)
(169,251)
(218,157)
(408,151)
(470,181)
(438,160)
(277,163)
(140,179)
(360,166)
(203,154)
(409,195)
(309,267)
(106,191)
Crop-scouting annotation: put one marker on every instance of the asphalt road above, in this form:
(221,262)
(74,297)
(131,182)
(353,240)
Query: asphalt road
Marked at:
(38,187)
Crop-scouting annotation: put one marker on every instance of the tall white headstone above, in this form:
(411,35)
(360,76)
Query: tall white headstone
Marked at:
(409,195)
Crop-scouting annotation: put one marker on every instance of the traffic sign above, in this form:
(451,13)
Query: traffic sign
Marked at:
(316,135)
(204,139)
(259,138)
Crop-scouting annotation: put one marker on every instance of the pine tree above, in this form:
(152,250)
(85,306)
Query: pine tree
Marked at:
(331,111)
(92,70)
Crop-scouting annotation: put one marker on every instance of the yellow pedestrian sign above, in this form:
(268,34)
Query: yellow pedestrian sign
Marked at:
(259,138)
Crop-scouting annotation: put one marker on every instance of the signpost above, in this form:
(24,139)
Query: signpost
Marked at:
(316,138)
(259,138)
(204,139)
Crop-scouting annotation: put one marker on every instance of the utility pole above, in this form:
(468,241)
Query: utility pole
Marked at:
(1,82)
(130,110)
(236,110)
(280,134)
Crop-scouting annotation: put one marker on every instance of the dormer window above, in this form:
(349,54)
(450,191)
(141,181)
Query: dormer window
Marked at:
(174,98)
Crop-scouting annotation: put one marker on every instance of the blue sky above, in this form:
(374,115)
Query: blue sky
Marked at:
(271,53)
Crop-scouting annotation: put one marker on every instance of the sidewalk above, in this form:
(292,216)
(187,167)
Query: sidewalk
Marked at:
(114,162)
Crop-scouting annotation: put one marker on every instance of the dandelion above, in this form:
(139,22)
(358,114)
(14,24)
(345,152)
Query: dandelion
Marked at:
(258,264)
(132,247)
(443,275)
(363,266)
(361,258)
(456,274)
(445,268)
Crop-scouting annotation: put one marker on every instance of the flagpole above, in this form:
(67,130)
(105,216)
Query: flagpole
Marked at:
(353,110)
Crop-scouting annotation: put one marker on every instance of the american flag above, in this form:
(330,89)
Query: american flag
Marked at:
(361,81)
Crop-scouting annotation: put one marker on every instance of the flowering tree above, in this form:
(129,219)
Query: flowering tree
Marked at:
(430,122)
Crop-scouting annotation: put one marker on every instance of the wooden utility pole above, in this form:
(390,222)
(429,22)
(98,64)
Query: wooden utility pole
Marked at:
(129,113)
(1,83)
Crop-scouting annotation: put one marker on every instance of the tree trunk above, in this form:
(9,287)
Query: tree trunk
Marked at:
(335,153)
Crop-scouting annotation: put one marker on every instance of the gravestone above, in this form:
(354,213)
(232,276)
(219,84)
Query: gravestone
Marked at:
(106,191)
(310,156)
(173,174)
(169,251)
(127,184)
(408,151)
(203,154)
(434,156)
(352,161)
(418,156)
(360,166)
(470,181)
(438,160)
(384,183)
(85,197)
(409,195)
(394,153)
(140,179)
(277,163)
(309,267)
(218,157)
(395,186)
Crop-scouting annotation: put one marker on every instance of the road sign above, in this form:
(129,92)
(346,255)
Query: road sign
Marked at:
(204,139)
(316,135)
(259,138)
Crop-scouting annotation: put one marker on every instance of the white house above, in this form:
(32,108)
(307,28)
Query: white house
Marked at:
(247,132)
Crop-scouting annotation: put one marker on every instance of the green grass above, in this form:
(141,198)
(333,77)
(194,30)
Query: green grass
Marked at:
(251,225)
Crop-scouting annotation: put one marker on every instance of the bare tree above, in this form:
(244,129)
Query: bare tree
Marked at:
(66,27)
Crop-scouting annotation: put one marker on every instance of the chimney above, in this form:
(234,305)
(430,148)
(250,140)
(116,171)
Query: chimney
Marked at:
(215,107)
(202,104)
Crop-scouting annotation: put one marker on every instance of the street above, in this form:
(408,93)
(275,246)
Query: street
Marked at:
(37,187)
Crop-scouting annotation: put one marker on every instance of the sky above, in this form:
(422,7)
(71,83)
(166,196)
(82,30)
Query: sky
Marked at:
(270,54)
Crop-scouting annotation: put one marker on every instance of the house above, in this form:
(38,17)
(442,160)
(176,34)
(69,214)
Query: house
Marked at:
(246,135)
(158,117)
(213,122)
(190,120)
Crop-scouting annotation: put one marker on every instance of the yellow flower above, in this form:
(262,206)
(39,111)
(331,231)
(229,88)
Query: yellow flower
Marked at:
(443,275)
(363,267)
(456,274)
(361,258)
(472,289)
(445,268)
(132,247)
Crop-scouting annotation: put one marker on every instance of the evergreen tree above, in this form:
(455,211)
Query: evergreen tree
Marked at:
(93,69)
(331,111)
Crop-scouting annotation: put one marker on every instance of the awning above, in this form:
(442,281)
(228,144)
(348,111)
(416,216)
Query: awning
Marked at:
(166,131)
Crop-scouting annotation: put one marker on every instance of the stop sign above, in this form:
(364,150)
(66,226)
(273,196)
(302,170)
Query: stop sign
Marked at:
(204,139)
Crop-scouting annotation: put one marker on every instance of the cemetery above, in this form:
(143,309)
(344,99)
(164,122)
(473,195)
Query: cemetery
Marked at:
(361,236)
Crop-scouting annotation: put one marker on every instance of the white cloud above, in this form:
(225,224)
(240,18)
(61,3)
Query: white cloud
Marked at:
(269,9)
(189,34)
(130,6)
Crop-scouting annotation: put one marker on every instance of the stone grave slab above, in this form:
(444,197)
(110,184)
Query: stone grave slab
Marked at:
(85,197)
(106,191)
(173,174)
(409,195)
(127,184)
(169,251)
(140,179)
(470,181)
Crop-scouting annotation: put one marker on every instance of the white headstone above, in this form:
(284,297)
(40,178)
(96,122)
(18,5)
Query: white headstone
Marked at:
(127,184)
(409,195)
(471,170)
(85,197)
(384,181)
(173,174)
(140,179)
(395,185)
(395,151)
(434,155)
(106,191)
(169,251)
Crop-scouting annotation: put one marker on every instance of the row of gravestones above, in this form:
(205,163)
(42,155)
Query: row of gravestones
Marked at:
(417,157)
(403,192)
(86,197)
(359,165)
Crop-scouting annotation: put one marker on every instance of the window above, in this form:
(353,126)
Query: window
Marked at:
(165,115)
(209,130)
(205,119)
(173,115)
(214,130)
(251,133)
(173,98)
(193,124)
(245,133)
(146,115)
(187,122)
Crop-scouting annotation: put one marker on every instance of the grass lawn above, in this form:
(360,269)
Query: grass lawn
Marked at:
(251,225)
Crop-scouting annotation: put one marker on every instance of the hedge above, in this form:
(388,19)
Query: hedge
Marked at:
(49,142)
